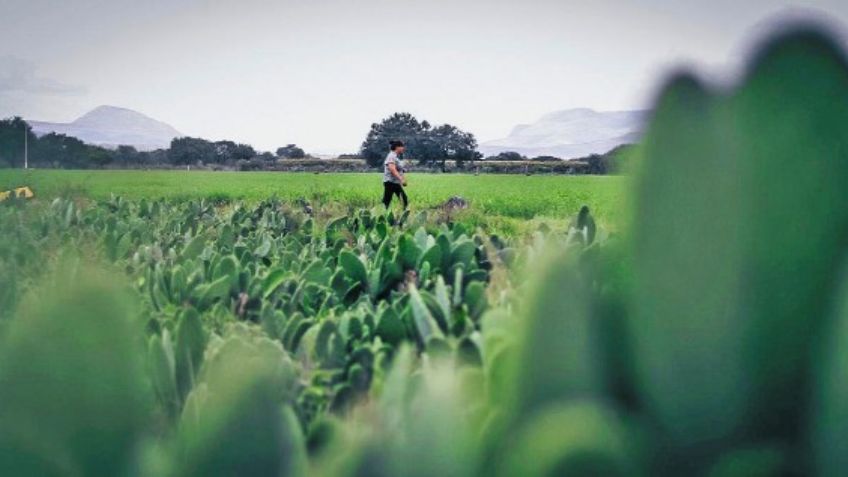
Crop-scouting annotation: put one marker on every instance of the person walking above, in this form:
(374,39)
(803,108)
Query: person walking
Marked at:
(394,179)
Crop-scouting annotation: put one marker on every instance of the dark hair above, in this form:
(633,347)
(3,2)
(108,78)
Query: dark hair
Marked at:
(395,144)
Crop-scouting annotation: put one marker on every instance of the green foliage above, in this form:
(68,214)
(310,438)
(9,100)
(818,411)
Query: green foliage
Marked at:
(424,142)
(234,422)
(290,152)
(501,204)
(191,341)
(12,132)
(830,399)
(162,369)
(708,339)
(74,399)
(573,439)
(557,354)
(756,289)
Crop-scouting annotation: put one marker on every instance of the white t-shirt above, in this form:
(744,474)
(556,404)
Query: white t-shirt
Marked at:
(392,158)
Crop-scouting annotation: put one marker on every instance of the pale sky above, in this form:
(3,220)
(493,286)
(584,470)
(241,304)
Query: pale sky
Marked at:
(319,72)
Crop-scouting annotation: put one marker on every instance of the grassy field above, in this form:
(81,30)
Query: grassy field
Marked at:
(515,199)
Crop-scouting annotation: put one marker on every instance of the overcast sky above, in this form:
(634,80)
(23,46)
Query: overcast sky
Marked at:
(319,72)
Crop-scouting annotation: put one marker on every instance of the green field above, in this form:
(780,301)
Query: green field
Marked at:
(492,197)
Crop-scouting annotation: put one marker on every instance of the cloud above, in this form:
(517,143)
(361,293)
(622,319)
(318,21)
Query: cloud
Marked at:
(18,75)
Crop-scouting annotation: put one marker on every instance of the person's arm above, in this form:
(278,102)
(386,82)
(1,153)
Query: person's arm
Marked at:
(394,171)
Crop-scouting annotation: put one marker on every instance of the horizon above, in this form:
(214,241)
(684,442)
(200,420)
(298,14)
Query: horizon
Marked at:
(270,74)
(34,121)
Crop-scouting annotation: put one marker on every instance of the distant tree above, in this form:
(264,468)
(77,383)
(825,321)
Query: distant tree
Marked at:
(126,156)
(424,143)
(267,157)
(242,151)
(97,157)
(451,143)
(291,152)
(224,150)
(189,150)
(611,162)
(399,126)
(546,159)
(12,141)
(154,158)
(228,152)
(507,156)
(597,164)
(59,150)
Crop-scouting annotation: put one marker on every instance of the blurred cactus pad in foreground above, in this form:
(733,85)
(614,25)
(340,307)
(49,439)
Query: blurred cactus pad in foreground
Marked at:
(707,336)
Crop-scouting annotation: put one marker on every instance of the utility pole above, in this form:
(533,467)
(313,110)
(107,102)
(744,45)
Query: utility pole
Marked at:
(26,147)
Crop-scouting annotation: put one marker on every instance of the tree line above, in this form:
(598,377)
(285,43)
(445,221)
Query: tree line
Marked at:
(67,152)
(610,162)
(427,144)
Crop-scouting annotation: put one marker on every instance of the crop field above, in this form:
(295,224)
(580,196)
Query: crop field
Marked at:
(211,324)
(505,196)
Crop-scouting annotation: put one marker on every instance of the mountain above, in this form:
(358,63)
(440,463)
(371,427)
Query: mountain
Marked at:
(110,126)
(571,134)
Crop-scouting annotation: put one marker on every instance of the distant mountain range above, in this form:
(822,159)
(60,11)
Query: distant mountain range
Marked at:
(571,134)
(110,126)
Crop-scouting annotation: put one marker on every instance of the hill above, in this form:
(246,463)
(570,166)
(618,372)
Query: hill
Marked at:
(110,126)
(572,133)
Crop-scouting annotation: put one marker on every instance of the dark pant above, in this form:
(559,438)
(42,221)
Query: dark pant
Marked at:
(390,189)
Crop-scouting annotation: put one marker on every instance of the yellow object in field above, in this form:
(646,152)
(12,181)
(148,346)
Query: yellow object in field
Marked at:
(20,192)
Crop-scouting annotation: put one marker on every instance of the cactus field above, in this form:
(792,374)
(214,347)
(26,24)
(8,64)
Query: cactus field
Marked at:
(691,320)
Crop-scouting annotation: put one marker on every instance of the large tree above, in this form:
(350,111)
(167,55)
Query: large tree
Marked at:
(190,150)
(399,126)
(227,152)
(424,143)
(451,143)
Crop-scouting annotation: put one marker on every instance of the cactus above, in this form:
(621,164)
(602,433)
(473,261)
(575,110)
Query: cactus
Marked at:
(240,427)
(72,379)
(354,268)
(190,344)
(573,439)
(162,369)
(727,296)
(557,355)
(425,324)
(829,417)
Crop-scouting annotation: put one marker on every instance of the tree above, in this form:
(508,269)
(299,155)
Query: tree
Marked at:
(59,150)
(507,156)
(12,141)
(611,162)
(126,156)
(97,156)
(451,143)
(189,150)
(424,143)
(399,126)
(291,152)
(228,152)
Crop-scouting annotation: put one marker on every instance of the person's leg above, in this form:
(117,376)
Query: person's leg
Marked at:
(387,194)
(402,195)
